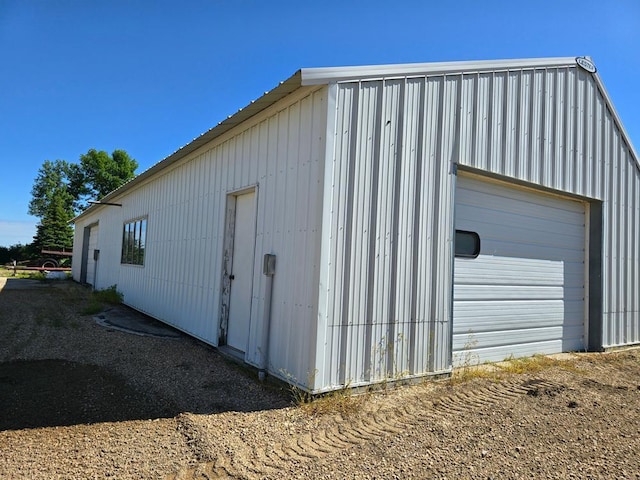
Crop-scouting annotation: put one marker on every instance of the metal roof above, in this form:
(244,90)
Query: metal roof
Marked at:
(317,76)
(327,75)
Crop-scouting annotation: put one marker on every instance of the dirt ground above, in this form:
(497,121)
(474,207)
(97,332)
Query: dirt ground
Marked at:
(78,400)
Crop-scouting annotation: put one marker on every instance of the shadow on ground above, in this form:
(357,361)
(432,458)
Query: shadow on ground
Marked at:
(47,393)
(139,369)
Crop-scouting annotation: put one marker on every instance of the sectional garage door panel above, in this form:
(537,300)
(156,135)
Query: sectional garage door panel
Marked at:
(524,293)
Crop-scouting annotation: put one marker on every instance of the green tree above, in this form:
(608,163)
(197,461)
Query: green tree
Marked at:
(61,191)
(101,173)
(53,203)
(17,252)
(53,230)
(52,176)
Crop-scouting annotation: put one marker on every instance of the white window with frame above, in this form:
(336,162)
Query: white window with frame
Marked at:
(134,237)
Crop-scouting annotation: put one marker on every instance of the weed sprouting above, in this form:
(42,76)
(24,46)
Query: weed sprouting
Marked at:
(533,364)
(100,298)
(92,308)
(342,401)
(468,363)
(109,295)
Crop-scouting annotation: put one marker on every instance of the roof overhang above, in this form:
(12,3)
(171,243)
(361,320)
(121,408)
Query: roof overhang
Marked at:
(269,98)
(318,76)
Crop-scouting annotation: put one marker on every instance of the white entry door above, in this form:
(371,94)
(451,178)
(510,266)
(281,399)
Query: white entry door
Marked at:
(91,262)
(242,272)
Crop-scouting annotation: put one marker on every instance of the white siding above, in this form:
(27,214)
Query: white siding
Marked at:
(281,152)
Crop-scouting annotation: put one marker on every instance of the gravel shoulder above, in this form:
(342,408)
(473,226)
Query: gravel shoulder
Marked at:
(78,400)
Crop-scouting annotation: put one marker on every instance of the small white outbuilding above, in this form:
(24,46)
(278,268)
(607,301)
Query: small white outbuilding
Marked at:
(360,224)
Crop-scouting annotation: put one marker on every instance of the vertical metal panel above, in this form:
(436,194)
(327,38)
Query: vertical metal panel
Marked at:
(389,185)
(405,232)
(388,203)
(78,242)
(384,267)
(363,171)
(429,221)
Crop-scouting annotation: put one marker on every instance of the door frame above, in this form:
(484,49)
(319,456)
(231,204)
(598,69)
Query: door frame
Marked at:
(227,255)
(86,236)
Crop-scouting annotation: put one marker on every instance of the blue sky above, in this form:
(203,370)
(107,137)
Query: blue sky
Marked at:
(149,76)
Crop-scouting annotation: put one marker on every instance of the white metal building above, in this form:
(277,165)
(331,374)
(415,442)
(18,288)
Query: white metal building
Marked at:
(420,215)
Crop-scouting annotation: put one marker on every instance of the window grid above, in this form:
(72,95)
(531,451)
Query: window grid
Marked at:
(133,242)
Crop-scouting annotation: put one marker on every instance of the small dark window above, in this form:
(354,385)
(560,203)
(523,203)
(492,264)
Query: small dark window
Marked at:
(467,244)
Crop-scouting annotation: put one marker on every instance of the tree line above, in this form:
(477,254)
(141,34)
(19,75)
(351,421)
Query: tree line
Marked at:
(62,190)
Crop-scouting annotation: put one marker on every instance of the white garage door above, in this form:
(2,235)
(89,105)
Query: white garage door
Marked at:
(524,293)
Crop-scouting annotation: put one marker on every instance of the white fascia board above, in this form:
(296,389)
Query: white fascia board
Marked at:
(318,76)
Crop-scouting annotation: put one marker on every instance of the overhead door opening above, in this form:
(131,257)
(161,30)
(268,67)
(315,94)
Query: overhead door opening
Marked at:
(524,292)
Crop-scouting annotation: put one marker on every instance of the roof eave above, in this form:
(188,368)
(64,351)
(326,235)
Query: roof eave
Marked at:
(265,101)
(318,76)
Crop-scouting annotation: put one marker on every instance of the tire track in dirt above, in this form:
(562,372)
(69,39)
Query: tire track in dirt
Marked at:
(475,399)
(351,432)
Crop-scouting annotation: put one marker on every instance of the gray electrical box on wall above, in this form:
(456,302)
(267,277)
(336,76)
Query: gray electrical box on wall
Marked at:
(269,264)
(96,255)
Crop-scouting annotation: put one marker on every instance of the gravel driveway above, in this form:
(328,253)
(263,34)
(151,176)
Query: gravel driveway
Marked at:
(78,400)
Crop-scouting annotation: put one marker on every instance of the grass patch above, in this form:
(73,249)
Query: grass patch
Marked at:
(92,308)
(620,355)
(343,402)
(109,295)
(27,274)
(61,312)
(56,319)
(469,364)
(467,373)
(52,318)
(510,366)
(534,364)
(100,298)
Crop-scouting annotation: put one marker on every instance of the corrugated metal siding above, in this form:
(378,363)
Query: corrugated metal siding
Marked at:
(282,153)
(385,315)
(391,199)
